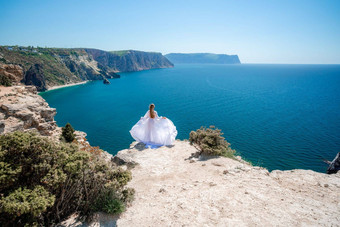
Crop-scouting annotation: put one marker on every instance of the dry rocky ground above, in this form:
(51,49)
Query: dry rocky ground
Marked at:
(173,189)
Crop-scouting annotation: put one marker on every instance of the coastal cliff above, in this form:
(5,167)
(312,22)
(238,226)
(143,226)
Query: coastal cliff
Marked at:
(47,67)
(130,60)
(174,186)
(203,58)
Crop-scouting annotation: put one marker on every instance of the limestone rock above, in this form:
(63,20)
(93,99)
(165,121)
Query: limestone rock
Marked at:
(13,72)
(22,109)
(48,113)
(31,89)
(125,157)
(13,124)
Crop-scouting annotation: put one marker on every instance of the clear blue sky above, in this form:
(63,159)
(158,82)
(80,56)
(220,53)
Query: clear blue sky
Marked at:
(299,31)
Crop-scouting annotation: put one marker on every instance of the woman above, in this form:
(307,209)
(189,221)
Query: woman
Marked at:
(154,130)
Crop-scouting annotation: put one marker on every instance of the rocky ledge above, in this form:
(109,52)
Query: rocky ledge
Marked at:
(173,188)
(21,108)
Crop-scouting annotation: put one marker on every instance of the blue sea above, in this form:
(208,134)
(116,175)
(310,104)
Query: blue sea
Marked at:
(276,116)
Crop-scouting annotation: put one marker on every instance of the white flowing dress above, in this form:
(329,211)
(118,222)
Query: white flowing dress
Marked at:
(154,131)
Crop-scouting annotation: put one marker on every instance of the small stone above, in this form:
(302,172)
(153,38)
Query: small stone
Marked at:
(326,185)
(192,161)
(2,116)
(225,172)
(216,164)
(203,164)
(239,158)
(162,190)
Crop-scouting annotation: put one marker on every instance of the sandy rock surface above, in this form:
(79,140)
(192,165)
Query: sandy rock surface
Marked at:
(173,189)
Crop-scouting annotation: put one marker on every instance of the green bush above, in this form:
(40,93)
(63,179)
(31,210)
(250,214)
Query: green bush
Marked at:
(42,181)
(5,81)
(68,133)
(211,142)
(27,201)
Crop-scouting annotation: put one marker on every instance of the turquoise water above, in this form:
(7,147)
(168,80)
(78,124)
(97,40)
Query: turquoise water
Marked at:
(276,116)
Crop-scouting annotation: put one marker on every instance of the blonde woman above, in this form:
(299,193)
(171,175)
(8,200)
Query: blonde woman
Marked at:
(154,130)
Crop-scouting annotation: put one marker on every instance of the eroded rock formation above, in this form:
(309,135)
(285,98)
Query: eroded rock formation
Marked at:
(22,109)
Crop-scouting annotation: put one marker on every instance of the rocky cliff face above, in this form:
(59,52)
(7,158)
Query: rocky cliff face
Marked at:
(45,67)
(130,60)
(35,76)
(203,58)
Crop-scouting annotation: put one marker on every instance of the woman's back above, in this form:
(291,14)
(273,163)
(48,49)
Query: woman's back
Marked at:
(155,130)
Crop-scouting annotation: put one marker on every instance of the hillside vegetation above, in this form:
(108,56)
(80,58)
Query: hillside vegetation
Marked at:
(42,181)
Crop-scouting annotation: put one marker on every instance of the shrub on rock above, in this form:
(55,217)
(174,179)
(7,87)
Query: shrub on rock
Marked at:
(68,133)
(211,142)
(5,81)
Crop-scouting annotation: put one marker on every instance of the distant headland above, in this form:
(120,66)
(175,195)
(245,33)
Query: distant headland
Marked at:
(203,58)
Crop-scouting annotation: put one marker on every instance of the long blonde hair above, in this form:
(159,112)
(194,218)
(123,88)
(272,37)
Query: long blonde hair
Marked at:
(152,112)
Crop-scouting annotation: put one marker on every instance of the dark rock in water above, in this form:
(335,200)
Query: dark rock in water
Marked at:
(35,76)
(334,166)
(106,81)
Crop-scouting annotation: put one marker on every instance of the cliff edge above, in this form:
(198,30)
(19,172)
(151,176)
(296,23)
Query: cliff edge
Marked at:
(175,189)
